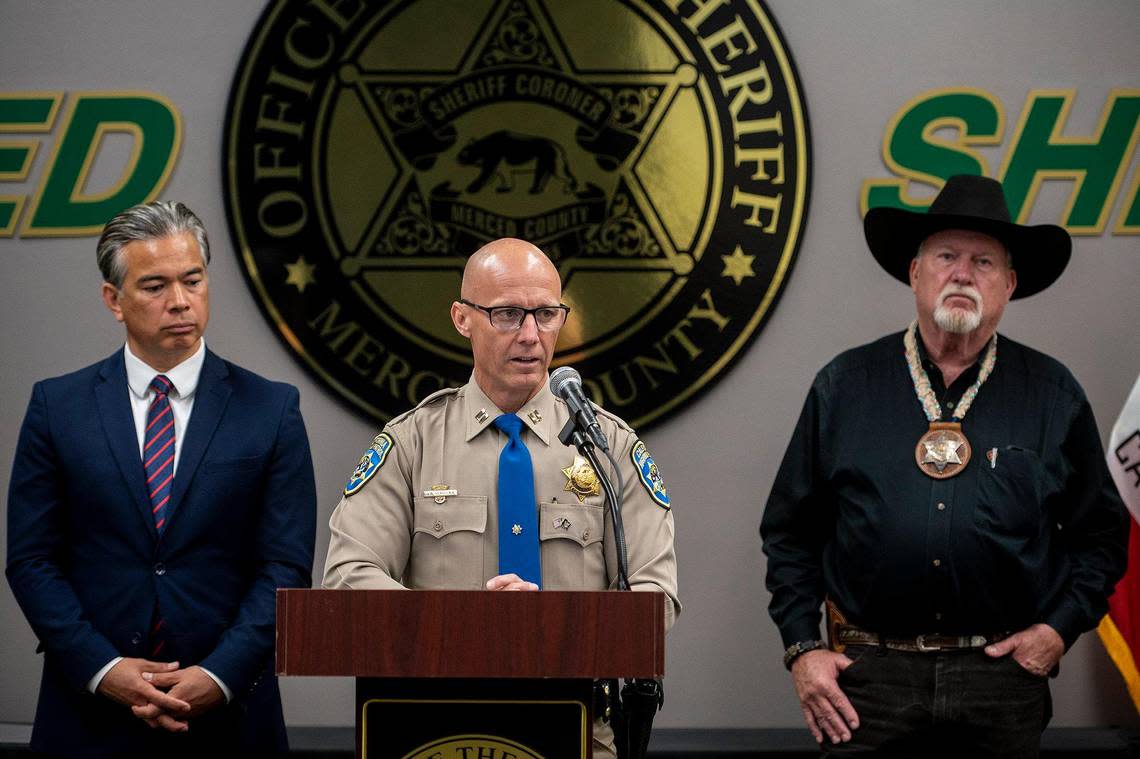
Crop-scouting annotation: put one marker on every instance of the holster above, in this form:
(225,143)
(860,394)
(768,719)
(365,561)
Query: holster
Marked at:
(606,700)
(835,618)
(632,721)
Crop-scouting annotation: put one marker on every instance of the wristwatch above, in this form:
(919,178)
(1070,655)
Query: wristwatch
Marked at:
(800,647)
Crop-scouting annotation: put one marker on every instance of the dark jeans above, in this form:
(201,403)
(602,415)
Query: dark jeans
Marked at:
(952,704)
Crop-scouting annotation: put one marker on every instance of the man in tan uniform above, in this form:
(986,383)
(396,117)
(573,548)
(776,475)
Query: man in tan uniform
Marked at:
(421,510)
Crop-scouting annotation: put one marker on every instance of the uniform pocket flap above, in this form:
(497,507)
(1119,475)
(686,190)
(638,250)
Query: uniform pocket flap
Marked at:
(581,523)
(466,512)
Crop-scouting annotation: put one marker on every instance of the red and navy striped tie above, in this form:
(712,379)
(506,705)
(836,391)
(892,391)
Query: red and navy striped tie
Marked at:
(158,449)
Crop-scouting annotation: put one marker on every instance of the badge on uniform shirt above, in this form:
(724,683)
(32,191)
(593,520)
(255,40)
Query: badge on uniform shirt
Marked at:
(581,479)
(370,463)
(649,474)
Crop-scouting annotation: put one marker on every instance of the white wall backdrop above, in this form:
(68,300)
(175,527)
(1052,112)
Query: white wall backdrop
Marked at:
(858,63)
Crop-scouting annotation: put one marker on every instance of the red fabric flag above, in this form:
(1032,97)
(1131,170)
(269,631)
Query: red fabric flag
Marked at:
(1120,629)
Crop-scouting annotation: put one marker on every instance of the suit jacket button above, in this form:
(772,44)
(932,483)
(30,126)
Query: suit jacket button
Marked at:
(136,638)
(160,569)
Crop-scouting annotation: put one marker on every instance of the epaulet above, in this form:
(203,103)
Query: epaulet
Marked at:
(432,400)
(621,423)
(383,443)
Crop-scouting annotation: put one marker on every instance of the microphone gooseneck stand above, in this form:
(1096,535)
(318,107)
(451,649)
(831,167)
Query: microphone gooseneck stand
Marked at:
(572,433)
(640,699)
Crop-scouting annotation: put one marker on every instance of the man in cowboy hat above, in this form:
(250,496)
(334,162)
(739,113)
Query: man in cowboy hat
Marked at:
(945,492)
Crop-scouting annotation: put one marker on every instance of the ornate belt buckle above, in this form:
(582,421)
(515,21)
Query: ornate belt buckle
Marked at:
(920,641)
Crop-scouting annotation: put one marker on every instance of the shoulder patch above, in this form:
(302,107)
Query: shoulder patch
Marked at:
(649,474)
(370,463)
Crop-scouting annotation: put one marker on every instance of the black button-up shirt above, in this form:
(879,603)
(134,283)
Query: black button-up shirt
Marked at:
(1033,532)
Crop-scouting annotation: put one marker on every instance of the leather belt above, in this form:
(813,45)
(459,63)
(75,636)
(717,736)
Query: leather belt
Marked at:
(849,635)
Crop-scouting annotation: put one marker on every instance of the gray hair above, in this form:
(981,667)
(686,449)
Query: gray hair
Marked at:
(150,221)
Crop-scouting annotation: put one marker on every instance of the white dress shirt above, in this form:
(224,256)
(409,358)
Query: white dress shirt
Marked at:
(184,377)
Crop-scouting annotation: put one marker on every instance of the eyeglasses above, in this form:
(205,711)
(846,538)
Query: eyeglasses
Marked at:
(510,318)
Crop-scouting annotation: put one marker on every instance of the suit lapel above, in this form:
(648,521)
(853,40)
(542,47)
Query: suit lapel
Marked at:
(119,423)
(210,401)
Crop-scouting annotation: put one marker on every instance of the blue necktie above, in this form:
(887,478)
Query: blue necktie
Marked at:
(518,514)
(158,450)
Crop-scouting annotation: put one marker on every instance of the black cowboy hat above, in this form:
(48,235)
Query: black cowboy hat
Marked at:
(976,203)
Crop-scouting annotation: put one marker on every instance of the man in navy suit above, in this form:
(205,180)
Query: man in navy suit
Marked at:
(158,499)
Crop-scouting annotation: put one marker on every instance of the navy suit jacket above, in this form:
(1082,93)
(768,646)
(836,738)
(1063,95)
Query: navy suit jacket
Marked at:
(89,569)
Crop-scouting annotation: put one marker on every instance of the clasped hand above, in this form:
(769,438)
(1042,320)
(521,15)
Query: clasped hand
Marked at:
(160,693)
(510,582)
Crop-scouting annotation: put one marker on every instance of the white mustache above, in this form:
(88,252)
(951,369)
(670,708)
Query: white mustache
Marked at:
(968,292)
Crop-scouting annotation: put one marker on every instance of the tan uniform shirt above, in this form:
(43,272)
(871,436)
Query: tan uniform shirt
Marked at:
(393,532)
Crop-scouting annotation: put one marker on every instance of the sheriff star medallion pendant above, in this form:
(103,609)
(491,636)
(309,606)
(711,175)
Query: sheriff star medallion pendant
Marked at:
(943,451)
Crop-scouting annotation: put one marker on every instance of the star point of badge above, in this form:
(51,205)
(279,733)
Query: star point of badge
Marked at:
(649,97)
(516,529)
(581,479)
(300,274)
(738,266)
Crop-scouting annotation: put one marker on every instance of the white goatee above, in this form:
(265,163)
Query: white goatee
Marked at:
(958,320)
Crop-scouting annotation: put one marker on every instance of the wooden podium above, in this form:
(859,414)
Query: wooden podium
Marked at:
(456,674)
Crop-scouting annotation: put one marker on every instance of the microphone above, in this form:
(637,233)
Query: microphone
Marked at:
(566,383)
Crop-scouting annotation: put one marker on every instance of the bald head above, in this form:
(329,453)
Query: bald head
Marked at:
(503,263)
(510,362)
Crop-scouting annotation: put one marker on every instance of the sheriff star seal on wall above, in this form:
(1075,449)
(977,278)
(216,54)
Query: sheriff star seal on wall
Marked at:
(661,160)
